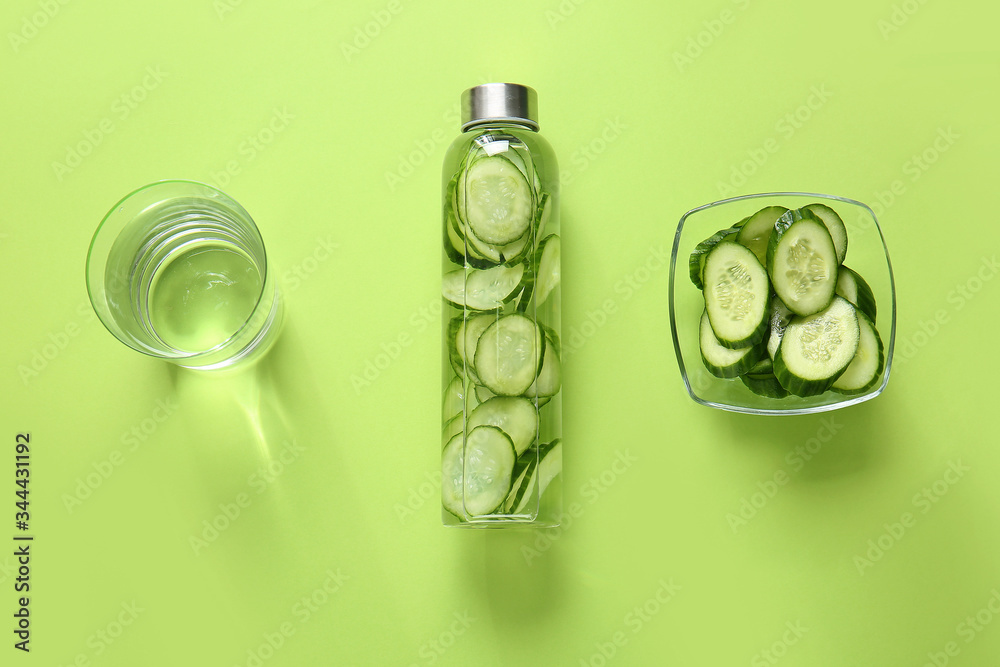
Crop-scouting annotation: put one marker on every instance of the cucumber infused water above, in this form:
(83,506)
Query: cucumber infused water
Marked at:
(501,439)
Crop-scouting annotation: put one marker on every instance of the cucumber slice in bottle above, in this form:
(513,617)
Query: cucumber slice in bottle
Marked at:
(737,293)
(817,348)
(486,289)
(495,200)
(780,317)
(459,397)
(467,336)
(540,467)
(853,287)
(515,416)
(549,378)
(547,271)
(865,370)
(476,474)
(834,225)
(720,361)
(508,355)
(543,214)
(802,262)
(451,428)
(756,231)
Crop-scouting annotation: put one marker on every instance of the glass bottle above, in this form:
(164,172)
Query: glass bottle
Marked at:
(501,367)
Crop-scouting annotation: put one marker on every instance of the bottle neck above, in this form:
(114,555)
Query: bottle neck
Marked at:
(505,124)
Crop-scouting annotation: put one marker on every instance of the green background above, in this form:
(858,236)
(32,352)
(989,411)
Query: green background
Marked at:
(652,112)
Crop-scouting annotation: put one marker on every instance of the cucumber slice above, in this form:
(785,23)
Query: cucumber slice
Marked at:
(865,370)
(697,260)
(780,317)
(543,214)
(549,378)
(495,200)
(761,381)
(476,474)
(540,468)
(466,337)
(508,355)
(515,416)
(816,349)
(486,289)
(853,287)
(834,225)
(802,262)
(459,397)
(483,394)
(451,428)
(756,231)
(737,292)
(547,271)
(722,361)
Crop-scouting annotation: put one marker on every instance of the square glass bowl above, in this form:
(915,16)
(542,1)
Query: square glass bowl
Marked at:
(866,254)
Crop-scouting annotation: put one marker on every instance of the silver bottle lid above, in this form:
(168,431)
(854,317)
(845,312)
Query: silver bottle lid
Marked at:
(509,102)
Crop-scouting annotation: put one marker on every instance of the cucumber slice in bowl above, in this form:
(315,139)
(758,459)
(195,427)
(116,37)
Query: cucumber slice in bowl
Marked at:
(816,349)
(476,474)
(834,225)
(865,369)
(756,231)
(495,200)
(509,354)
(780,317)
(486,289)
(761,380)
(853,287)
(720,361)
(696,263)
(802,262)
(737,293)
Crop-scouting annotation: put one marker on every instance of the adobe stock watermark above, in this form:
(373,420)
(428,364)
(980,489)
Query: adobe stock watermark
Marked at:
(711,30)
(909,346)
(418,496)
(899,16)
(590,491)
(299,272)
(304,609)
(101,640)
(131,440)
(923,501)
(251,147)
(967,631)
(121,108)
(584,156)
(390,351)
(577,335)
(779,649)
(751,505)
(366,33)
(434,649)
(634,621)
(913,169)
(224,8)
(32,24)
(258,482)
(562,11)
(784,129)
(425,146)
